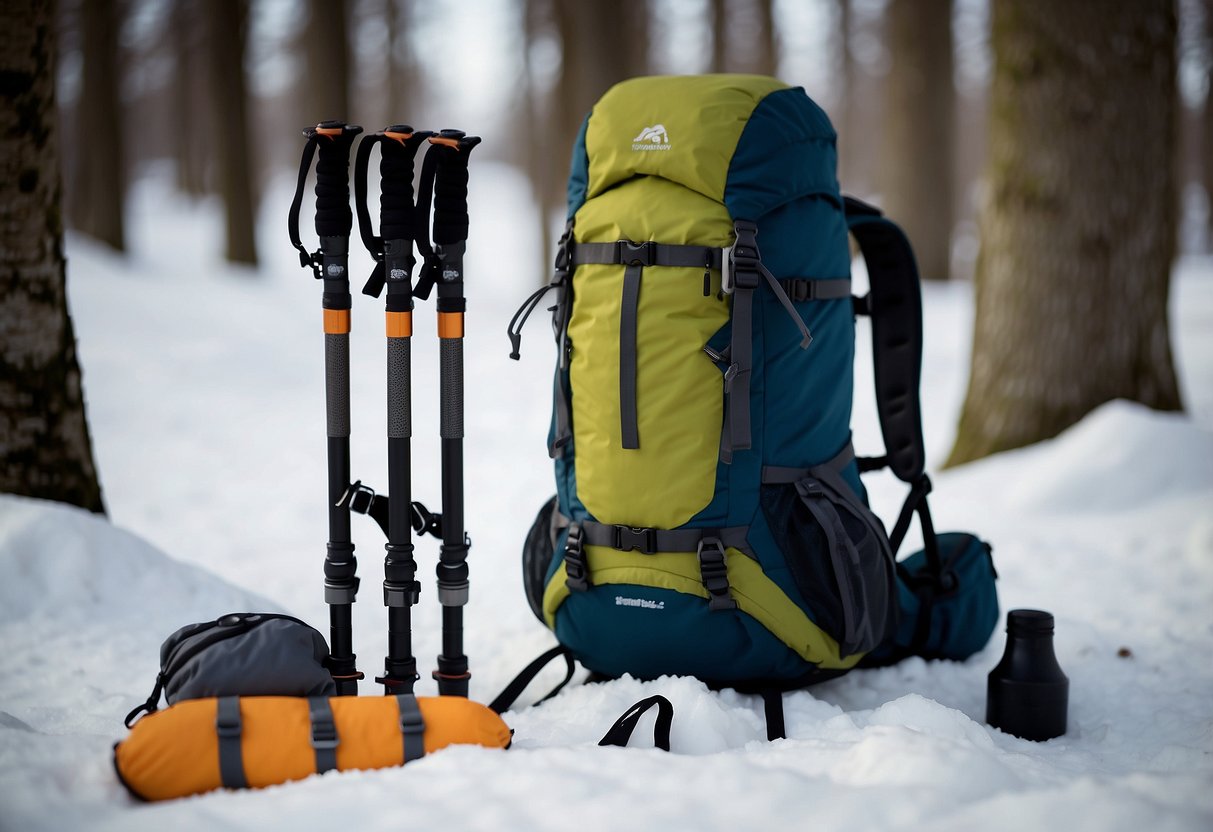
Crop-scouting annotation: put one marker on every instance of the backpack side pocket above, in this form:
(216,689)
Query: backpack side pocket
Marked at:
(839,558)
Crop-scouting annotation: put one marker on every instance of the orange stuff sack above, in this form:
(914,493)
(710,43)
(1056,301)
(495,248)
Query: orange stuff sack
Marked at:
(252,741)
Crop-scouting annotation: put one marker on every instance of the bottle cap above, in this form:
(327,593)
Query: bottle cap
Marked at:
(1029,623)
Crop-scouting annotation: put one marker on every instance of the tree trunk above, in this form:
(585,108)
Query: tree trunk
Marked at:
(402,81)
(1206,132)
(327,47)
(1078,233)
(720,41)
(592,61)
(226,38)
(917,157)
(188,111)
(45,450)
(743,37)
(845,109)
(99,184)
(542,162)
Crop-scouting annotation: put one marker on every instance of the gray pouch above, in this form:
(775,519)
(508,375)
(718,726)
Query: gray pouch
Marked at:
(241,654)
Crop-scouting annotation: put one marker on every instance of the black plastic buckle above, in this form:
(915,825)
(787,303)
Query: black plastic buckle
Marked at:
(324,735)
(357,497)
(637,254)
(627,538)
(564,254)
(742,261)
(575,565)
(714,573)
(411,722)
(225,729)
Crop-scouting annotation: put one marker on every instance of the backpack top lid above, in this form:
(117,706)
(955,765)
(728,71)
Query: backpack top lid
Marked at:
(748,141)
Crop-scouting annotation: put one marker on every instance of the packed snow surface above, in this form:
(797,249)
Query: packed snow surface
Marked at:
(204,386)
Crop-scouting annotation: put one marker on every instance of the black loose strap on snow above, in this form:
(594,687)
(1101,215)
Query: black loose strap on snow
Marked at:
(228,727)
(772,710)
(895,305)
(412,726)
(506,699)
(621,731)
(324,733)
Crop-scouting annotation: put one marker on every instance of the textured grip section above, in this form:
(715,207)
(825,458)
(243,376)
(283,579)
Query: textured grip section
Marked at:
(451,367)
(396,191)
(451,198)
(399,406)
(337,383)
(333,215)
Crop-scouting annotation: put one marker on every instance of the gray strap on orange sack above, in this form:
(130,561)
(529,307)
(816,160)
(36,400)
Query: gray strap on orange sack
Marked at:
(228,727)
(412,726)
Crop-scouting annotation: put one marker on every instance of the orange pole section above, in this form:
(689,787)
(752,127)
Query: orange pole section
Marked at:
(336,321)
(399,324)
(450,324)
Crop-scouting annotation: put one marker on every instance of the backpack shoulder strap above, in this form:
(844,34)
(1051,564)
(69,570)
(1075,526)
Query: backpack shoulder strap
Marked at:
(894,304)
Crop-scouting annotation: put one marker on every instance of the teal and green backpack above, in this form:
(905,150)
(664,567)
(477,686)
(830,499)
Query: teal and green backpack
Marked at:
(709,518)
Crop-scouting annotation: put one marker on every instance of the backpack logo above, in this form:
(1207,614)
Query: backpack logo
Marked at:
(642,603)
(652,138)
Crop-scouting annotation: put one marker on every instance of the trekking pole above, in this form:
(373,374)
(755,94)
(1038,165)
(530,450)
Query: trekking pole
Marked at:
(446,171)
(394,253)
(330,263)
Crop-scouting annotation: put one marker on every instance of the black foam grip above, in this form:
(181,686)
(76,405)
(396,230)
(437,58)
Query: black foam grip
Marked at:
(333,215)
(396,190)
(896,304)
(451,197)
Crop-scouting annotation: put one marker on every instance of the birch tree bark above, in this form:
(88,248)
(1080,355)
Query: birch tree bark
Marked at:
(1078,232)
(45,450)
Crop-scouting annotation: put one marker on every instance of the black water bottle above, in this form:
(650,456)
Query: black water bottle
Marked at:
(1027,695)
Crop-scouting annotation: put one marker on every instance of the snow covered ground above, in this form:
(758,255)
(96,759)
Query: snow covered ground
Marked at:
(205,395)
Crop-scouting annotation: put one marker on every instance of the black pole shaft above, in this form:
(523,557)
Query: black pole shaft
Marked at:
(333,141)
(450,242)
(398,144)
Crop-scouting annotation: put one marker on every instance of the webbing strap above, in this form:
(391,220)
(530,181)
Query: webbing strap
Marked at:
(772,709)
(800,290)
(628,430)
(506,699)
(324,733)
(412,726)
(621,732)
(421,224)
(737,376)
(744,273)
(292,220)
(653,541)
(775,475)
(228,727)
(645,254)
